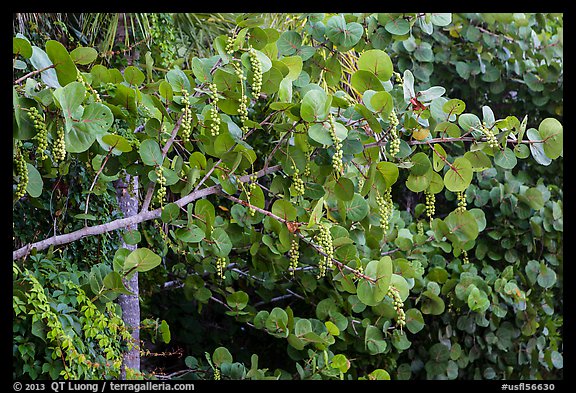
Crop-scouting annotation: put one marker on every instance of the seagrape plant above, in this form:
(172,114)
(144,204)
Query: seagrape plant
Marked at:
(315,187)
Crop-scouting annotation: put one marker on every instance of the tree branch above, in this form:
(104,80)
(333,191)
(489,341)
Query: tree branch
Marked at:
(28,75)
(125,222)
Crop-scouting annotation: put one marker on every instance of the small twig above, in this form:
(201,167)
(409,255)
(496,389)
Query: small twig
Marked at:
(94,182)
(28,75)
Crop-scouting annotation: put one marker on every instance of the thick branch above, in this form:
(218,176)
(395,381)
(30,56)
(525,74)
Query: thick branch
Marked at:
(125,222)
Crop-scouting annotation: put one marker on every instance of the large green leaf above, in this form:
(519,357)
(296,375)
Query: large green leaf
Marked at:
(551,131)
(537,147)
(315,106)
(284,209)
(221,242)
(83,55)
(344,189)
(35,183)
(41,61)
(357,208)
(459,176)
(66,70)
(365,80)
(462,225)
(377,62)
(141,260)
(150,152)
(342,34)
(505,158)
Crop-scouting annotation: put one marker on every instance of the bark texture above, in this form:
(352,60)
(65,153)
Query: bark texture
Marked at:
(130,304)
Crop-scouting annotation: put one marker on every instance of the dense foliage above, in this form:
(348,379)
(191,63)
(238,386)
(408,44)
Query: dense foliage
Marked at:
(349,196)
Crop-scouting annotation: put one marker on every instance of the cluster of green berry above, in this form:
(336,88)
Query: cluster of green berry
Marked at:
(59,148)
(430,204)
(257,71)
(394,294)
(89,89)
(398,78)
(217,375)
(162,182)
(294,254)
(186,116)
(337,157)
(41,131)
(297,182)
(461,202)
(385,207)
(394,140)
(22,173)
(251,187)
(230,44)
(215,126)
(324,240)
(243,100)
(420,227)
(361,181)
(490,137)
(465,257)
(220,266)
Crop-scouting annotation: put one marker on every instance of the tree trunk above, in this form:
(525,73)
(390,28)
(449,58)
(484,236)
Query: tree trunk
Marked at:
(130,304)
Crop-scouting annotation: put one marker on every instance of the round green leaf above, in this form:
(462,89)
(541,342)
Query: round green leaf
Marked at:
(284,209)
(342,34)
(454,106)
(134,76)
(551,131)
(365,80)
(546,277)
(118,141)
(468,120)
(237,300)
(221,242)
(441,19)
(288,43)
(150,152)
(398,26)
(414,320)
(142,260)
(479,160)
(459,176)
(221,355)
(387,172)
(357,208)
(377,62)
(401,285)
(317,132)
(432,304)
(462,225)
(505,158)
(315,106)
(83,55)
(192,234)
(344,189)
(420,164)
(419,183)
(436,183)
(41,61)
(131,236)
(170,212)
(382,103)
(22,47)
